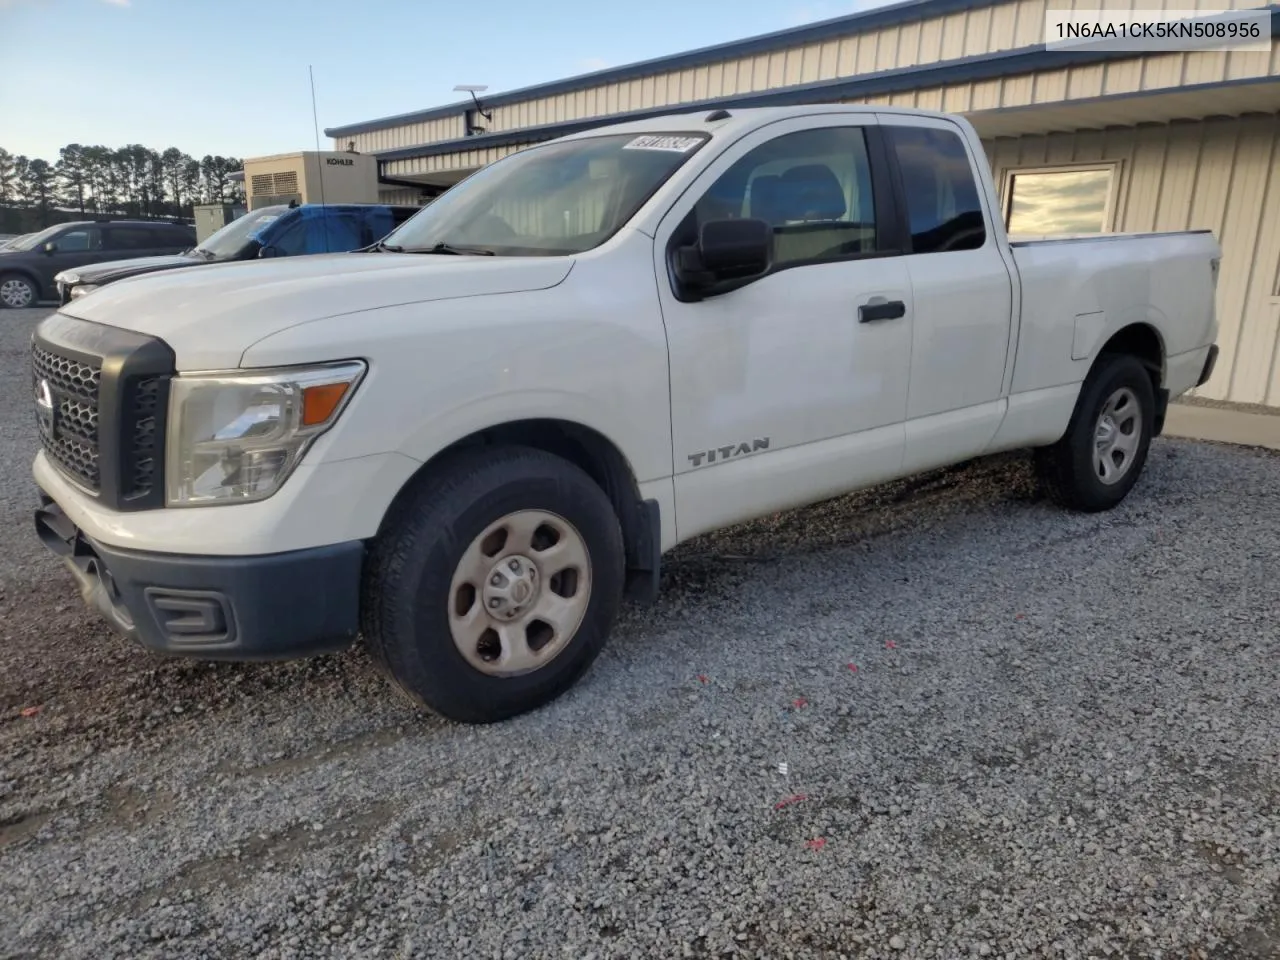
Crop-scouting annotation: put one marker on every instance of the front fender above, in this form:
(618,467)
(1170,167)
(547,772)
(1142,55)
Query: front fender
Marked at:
(484,413)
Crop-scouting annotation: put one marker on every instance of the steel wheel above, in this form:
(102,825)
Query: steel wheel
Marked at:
(1116,436)
(17,292)
(519,593)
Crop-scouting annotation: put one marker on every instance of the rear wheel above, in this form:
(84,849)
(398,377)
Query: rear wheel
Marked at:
(1100,457)
(494,584)
(17,291)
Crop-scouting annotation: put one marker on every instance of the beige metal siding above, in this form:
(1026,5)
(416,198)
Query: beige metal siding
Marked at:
(462,160)
(1142,74)
(1220,175)
(400,197)
(409,135)
(1005,26)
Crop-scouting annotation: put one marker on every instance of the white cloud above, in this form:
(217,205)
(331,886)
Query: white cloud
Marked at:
(592,63)
(118,3)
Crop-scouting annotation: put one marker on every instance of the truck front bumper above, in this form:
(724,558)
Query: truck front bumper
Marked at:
(279,606)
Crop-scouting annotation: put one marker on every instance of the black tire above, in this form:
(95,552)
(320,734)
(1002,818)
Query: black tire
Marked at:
(411,566)
(1069,469)
(10,281)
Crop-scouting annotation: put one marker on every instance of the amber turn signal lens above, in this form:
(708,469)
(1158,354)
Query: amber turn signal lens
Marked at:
(318,403)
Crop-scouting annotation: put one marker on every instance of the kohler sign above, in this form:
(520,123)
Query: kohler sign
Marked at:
(339,161)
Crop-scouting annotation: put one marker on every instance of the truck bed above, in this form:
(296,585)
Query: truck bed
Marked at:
(1024,240)
(1075,288)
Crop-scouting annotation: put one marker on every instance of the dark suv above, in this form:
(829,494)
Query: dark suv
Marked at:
(27,268)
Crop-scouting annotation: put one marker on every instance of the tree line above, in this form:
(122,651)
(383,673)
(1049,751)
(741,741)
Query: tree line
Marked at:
(131,181)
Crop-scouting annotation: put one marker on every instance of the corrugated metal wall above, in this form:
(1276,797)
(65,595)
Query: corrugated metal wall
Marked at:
(1220,175)
(1141,74)
(1005,26)
(402,196)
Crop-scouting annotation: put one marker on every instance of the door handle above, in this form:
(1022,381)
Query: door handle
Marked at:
(878,308)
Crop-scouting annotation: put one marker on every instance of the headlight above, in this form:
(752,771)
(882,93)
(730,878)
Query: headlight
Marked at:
(236,437)
(67,276)
(82,289)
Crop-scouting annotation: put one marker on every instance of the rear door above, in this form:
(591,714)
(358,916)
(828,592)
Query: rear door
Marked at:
(130,242)
(961,289)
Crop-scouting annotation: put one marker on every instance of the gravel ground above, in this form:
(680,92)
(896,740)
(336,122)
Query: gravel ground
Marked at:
(1060,740)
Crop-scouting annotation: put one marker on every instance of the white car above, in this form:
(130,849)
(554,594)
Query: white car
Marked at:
(469,443)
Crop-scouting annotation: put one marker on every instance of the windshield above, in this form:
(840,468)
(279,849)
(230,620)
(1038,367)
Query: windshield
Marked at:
(34,240)
(559,199)
(231,239)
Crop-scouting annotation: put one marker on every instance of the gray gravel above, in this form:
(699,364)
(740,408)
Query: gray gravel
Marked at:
(1060,741)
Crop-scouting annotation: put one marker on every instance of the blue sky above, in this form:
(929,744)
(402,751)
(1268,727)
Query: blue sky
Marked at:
(230,76)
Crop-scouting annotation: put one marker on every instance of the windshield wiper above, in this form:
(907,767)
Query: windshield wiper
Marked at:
(449,248)
(379,247)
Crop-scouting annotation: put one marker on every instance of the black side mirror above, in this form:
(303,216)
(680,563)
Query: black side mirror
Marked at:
(268,251)
(728,254)
(50,248)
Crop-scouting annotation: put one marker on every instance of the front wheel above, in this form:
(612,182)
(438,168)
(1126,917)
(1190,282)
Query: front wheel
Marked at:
(494,584)
(1100,457)
(16,291)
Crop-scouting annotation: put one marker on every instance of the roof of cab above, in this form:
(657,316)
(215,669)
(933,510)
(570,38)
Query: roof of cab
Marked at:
(735,120)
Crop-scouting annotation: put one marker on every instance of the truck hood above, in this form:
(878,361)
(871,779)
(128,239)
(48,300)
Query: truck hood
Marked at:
(119,269)
(212,315)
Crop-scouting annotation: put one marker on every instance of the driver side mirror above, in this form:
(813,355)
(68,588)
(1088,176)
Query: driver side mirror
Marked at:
(50,248)
(268,251)
(728,254)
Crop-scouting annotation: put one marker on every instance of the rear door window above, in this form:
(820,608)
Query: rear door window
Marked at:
(127,239)
(943,207)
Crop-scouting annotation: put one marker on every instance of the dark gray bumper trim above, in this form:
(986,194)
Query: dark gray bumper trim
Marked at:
(1210,362)
(274,607)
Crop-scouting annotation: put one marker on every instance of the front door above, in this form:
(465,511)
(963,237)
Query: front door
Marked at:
(75,247)
(780,395)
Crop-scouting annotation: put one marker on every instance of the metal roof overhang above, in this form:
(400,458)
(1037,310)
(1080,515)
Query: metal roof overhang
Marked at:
(1227,99)
(850,25)
(967,69)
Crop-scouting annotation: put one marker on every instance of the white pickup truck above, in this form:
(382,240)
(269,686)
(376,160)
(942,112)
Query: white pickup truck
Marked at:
(470,442)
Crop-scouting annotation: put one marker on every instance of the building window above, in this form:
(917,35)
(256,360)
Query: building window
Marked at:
(129,238)
(1057,200)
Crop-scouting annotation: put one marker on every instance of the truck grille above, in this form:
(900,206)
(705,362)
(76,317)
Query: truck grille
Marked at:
(102,396)
(70,435)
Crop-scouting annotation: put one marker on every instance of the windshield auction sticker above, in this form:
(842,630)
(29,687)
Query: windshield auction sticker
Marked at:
(672,144)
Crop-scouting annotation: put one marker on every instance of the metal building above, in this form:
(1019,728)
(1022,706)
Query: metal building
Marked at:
(1155,141)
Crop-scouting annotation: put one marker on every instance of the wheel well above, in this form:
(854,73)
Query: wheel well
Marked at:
(1142,341)
(601,460)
